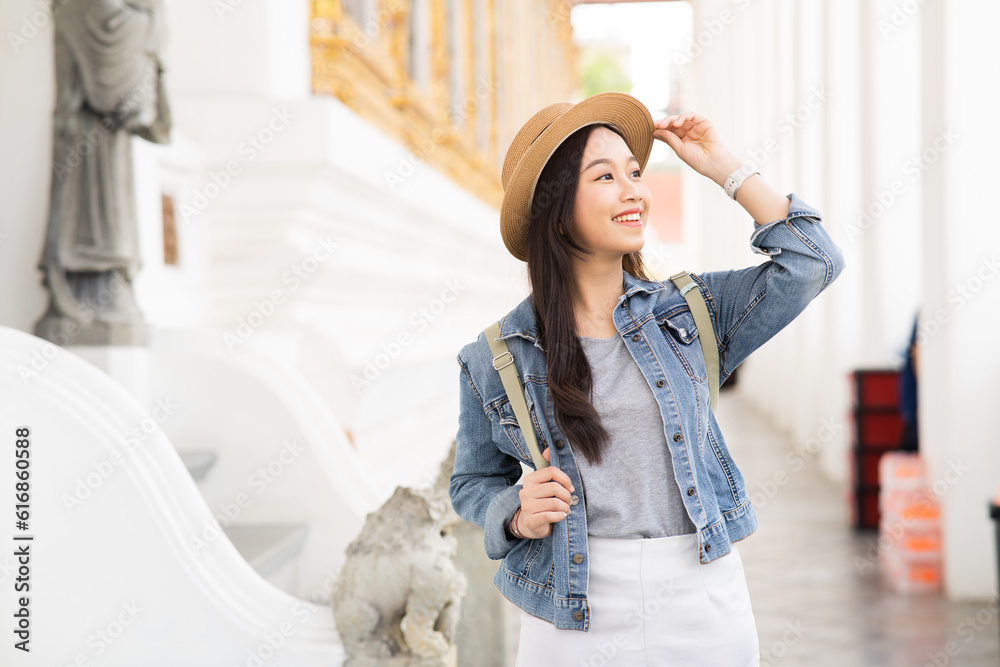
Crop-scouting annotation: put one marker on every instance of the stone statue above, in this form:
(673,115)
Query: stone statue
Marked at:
(488,619)
(109,86)
(397,599)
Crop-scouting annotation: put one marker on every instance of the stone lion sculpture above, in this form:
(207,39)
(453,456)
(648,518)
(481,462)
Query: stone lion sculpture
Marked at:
(397,600)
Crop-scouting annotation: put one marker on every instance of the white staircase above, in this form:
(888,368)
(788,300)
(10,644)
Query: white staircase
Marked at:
(282,460)
(116,577)
(271,549)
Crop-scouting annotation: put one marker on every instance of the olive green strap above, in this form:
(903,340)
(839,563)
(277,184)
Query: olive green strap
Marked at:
(696,302)
(503,362)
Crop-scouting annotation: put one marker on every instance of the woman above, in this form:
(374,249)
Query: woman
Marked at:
(627,535)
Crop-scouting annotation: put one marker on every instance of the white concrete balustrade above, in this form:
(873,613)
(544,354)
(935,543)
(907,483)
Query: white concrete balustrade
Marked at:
(115,577)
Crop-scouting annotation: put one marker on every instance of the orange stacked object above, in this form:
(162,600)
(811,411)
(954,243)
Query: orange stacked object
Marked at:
(909,526)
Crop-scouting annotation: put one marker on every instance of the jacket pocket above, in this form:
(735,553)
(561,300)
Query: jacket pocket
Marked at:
(681,333)
(539,564)
(531,561)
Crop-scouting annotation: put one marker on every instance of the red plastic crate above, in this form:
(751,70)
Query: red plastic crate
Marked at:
(880,429)
(865,466)
(876,389)
(911,576)
(864,507)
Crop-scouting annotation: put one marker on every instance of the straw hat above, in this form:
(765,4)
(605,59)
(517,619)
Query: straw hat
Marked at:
(543,133)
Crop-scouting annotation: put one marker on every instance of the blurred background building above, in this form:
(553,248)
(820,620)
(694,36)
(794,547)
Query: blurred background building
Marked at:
(320,237)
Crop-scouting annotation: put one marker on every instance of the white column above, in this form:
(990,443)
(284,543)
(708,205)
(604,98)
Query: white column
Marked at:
(801,125)
(841,151)
(712,217)
(762,111)
(766,378)
(959,377)
(884,228)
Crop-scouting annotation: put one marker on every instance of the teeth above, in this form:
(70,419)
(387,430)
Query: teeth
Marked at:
(630,216)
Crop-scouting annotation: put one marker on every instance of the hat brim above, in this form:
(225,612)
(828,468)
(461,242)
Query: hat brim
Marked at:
(620,110)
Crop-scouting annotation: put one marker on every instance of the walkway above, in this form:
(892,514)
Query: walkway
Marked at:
(815,607)
(816,601)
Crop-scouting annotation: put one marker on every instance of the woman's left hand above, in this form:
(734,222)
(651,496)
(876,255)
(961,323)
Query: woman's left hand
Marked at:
(698,143)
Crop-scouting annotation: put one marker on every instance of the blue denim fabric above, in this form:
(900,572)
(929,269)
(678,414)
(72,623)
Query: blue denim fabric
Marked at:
(747,307)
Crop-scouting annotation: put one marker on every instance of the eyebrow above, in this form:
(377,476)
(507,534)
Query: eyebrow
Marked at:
(599,160)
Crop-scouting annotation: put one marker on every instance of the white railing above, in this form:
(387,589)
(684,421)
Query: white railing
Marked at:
(114,574)
(283,457)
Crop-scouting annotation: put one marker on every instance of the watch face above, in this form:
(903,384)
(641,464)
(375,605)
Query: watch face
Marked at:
(737,177)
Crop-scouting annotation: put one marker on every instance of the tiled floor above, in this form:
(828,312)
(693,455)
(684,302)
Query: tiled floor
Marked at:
(816,600)
(814,605)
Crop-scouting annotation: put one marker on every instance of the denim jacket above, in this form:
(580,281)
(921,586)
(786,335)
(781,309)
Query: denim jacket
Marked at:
(547,577)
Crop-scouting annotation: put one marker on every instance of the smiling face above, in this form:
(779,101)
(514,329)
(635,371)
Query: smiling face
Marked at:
(612,202)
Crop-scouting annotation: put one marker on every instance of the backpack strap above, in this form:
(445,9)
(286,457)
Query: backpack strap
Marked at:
(696,302)
(503,362)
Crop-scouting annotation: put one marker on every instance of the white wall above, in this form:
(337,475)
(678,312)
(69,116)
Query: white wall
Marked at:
(28,94)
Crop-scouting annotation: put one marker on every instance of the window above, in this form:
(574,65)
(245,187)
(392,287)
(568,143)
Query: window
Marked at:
(169,231)
(479,62)
(456,55)
(356,10)
(418,66)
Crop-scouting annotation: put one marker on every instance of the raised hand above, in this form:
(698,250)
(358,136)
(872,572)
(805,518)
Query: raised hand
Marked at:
(697,142)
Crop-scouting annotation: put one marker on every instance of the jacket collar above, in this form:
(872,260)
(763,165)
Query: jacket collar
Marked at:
(521,321)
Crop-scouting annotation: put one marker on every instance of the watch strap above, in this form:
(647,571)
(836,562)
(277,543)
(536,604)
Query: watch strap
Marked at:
(735,179)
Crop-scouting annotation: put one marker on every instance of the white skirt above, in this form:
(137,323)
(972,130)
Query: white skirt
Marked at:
(652,602)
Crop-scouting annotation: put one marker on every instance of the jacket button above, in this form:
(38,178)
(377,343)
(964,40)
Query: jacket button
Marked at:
(635,337)
(578,615)
(577,558)
(574,499)
(708,547)
(677,437)
(560,444)
(690,490)
(659,383)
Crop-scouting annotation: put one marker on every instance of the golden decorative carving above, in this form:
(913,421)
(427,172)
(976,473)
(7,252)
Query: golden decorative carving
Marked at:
(366,67)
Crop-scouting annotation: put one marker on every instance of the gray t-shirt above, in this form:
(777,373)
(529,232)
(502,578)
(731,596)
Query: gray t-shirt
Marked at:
(649,504)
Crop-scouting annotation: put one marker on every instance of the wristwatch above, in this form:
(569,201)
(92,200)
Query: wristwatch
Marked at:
(735,179)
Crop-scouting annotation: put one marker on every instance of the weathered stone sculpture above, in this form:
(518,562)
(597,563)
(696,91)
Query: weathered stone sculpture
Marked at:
(397,599)
(109,86)
(485,630)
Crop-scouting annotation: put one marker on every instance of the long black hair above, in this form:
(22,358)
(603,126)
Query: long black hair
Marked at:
(550,247)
